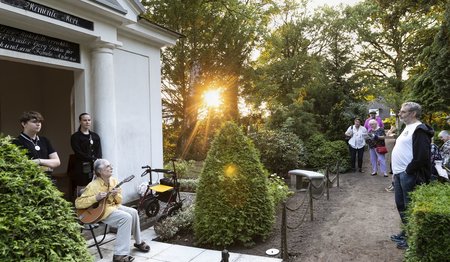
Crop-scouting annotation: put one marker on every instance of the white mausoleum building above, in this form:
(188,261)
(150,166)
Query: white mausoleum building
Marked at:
(65,57)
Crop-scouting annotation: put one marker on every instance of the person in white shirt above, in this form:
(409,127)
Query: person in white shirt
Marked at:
(411,161)
(356,143)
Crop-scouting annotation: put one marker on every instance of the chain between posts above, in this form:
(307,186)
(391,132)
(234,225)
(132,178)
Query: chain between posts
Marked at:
(309,195)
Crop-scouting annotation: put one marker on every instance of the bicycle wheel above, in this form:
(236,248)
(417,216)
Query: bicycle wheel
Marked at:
(151,207)
(173,210)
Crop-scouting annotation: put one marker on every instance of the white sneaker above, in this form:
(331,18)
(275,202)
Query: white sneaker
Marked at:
(390,188)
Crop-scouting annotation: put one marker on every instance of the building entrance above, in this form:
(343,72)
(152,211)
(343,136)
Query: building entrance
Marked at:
(44,89)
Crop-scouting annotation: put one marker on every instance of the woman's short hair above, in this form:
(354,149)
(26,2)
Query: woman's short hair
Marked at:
(443,134)
(371,121)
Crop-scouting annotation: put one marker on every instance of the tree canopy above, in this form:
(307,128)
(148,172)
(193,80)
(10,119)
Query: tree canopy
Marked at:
(285,67)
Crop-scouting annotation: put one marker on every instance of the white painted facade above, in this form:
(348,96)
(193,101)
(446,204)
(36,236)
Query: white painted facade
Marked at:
(117,81)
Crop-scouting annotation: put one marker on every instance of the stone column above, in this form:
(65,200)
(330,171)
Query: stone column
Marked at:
(104,99)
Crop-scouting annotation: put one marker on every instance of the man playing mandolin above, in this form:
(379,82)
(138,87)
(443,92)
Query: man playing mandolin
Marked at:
(103,193)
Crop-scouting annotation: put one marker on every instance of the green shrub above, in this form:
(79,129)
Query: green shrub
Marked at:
(338,153)
(182,167)
(36,223)
(232,202)
(322,153)
(186,169)
(280,150)
(312,145)
(171,226)
(428,225)
(188,185)
(278,189)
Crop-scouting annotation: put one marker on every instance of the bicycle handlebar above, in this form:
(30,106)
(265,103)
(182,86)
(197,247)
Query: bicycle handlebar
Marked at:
(158,170)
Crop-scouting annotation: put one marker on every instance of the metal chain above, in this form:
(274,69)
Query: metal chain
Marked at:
(303,202)
(301,221)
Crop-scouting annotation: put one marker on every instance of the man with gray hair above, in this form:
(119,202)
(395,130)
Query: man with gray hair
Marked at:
(411,162)
(126,219)
(445,148)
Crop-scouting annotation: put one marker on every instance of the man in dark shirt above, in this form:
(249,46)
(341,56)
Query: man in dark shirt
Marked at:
(38,148)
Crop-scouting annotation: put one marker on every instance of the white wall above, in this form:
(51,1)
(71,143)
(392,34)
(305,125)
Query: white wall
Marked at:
(138,120)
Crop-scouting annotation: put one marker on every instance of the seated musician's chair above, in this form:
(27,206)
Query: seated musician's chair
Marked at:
(91,228)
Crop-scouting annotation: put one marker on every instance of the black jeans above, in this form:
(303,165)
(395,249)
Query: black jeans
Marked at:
(353,153)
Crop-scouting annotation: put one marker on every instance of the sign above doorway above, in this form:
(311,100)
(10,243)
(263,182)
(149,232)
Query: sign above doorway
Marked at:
(36,44)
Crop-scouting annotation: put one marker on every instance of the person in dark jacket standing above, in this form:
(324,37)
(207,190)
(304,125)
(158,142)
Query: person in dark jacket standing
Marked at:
(87,147)
(411,163)
(39,148)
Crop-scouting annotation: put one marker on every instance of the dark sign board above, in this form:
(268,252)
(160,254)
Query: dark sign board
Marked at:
(50,12)
(26,42)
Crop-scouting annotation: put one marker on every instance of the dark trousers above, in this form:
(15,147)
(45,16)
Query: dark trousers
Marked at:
(404,184)
(353,153)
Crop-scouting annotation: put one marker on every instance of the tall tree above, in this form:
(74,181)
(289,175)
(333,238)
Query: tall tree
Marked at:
(215,51)
(391,36)
(306,70)
(432,88)
(340,85)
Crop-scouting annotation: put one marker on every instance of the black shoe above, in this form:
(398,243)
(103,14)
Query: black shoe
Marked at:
(402,245)
(398,238)
(373,174)
(361,171)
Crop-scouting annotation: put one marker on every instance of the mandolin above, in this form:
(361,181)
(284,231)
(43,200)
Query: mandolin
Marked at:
(93,213)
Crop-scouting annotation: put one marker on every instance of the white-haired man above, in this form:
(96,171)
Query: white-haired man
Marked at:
(126,219)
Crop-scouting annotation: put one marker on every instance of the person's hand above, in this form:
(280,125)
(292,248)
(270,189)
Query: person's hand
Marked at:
(100,196)
(37,161)
(115,191)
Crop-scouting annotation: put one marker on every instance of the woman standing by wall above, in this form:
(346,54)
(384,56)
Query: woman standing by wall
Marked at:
(87,148)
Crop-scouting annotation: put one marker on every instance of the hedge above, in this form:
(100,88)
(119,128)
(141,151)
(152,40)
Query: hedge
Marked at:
(428,227)
(36,223)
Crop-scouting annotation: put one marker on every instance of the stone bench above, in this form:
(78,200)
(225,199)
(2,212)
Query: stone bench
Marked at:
(299,175)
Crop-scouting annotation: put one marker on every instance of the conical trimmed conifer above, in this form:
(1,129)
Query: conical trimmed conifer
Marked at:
(232,204)
(36,223)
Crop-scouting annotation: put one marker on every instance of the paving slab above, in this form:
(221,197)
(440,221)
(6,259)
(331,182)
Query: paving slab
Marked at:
(164,252)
